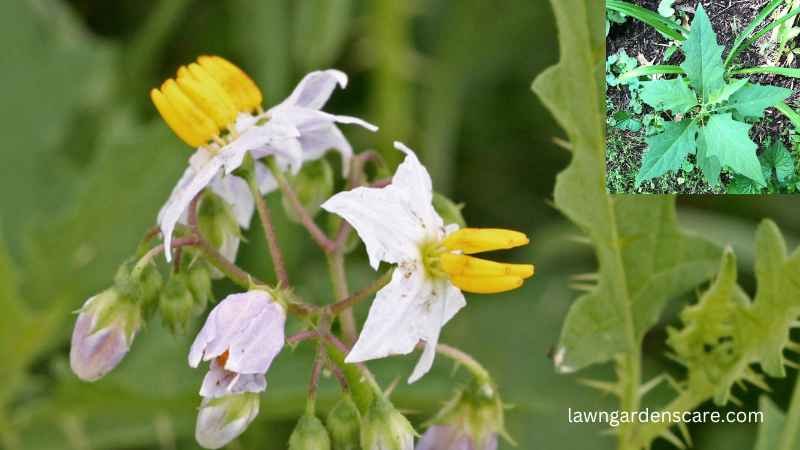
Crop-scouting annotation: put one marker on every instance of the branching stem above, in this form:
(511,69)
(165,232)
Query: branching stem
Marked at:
(269,234)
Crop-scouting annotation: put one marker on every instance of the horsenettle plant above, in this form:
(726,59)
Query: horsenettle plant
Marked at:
(710,113)
(242,153)
(726,338)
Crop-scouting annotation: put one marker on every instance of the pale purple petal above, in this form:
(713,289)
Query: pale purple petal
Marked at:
(219,382)
(450,437)
(249,326)
(316,142)
(266,182)
(315,89)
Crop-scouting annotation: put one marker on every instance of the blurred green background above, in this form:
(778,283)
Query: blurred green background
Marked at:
(86,165)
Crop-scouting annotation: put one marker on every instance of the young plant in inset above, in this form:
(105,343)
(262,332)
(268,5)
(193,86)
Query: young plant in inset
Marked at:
(784,36)
(709,113)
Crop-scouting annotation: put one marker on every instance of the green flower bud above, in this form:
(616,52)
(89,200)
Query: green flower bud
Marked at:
(139,286)
(198,277)
(309,434)
(449,210)
(313,185)
(177,304)
(384,428)
(344,425)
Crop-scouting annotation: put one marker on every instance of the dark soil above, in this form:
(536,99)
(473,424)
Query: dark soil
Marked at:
(728,17)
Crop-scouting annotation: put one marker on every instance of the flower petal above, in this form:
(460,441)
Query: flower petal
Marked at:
(191,183)
(249,326)
(315,143)
(219,382)
(444,437)
(315,89)
(384,220)
(410,308)
(94,353)
(235,191)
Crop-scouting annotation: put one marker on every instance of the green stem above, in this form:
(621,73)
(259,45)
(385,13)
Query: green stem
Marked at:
(269,234)
(361,295)
(459,356)
(362,384)
(791,426)
(317,234)
(336,267)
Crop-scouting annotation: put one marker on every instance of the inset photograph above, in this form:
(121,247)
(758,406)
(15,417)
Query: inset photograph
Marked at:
(702,96)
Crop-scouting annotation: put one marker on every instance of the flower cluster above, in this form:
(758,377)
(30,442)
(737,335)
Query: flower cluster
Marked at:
(242,153)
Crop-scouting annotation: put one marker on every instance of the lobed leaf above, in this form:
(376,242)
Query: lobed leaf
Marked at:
(667,151)
(703,63)
(728,140)
(673,95)
(752,99)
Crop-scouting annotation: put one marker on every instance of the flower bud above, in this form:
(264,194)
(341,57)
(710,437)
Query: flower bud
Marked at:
(199,281)
(309,434)
(104,331)
(384,428)
(141,286)
(223,419)
(472,420)
(177,304)
(344,425)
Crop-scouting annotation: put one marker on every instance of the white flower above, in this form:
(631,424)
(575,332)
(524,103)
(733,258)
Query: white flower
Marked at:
(241,337)
(212,96)
(399,226)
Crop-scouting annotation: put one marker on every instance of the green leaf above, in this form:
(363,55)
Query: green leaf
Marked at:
(708,164)
(667,151)
(703,63)
(778,158)
(750,28)
(673,95)
(728,141)
(741,185)
(752,99)
(643,257)
(729,89)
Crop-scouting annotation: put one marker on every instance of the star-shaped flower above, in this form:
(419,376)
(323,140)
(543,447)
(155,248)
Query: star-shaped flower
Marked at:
(215,107)
(399,225)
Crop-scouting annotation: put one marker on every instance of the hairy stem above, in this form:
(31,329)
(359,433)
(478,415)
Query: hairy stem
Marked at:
(308,222)
(313,384)
(269,234)
(158,249)
(459,356)
(361,295)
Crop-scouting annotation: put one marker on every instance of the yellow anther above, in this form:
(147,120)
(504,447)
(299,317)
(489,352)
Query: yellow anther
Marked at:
(189,132)
(476,240)
(207,94)
(244,92)
(486,285)
(469,266)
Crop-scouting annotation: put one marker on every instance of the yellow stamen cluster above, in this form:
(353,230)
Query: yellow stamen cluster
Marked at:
(478,275)
(205,98)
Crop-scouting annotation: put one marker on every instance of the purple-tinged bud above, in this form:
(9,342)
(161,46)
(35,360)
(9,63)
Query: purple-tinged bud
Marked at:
(472,420)
(103,334)
(453,437)
(223,419)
